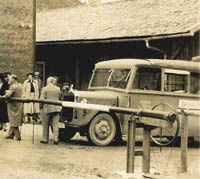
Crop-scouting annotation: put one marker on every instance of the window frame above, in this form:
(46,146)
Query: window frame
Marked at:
(40,66)
(162,91)
(176,72)
(190,85)
(93,76)
(146,90)
(90,87)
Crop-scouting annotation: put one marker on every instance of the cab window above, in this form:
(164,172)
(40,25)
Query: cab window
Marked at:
(147,79)
(195,83)
(176,81)
(100,77)
(119,78)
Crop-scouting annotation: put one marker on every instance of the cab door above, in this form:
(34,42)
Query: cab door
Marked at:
(144,90)
(146,87)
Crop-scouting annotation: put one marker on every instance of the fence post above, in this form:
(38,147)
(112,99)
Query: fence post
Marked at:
(131,144)
(146,149)
(184,141)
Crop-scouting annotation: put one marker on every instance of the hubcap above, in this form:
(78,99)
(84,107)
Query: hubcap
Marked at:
(102,129)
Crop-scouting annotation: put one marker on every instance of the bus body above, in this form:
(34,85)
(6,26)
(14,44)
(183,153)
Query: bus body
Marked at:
(133,83)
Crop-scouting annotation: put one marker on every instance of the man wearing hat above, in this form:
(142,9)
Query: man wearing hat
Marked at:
(50,113)
(14,108)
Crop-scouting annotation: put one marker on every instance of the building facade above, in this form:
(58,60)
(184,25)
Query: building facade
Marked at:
(71,40)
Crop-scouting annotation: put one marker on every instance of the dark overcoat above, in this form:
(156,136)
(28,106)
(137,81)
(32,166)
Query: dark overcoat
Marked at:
(15,109)
(3,105)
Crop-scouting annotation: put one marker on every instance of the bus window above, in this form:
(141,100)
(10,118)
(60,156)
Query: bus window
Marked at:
(119,78)
(147,79)
(195,83)
(176,81)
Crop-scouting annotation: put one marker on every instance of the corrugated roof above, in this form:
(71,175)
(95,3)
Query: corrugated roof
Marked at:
(134,18)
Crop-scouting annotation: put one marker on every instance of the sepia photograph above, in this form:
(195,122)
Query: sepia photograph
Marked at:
(99,89)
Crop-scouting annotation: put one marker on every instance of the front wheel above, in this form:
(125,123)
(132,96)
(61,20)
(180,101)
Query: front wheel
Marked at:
(102,129)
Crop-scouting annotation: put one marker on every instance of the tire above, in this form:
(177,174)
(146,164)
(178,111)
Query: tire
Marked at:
(166,136)
(66,134)
(102,130)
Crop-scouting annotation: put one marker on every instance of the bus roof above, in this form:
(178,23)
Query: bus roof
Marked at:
(159,63)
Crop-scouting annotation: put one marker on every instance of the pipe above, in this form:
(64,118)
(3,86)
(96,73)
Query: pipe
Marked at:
(170,116)
(155,48)
(112,40)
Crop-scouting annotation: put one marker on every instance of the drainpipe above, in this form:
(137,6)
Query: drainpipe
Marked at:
(155,48)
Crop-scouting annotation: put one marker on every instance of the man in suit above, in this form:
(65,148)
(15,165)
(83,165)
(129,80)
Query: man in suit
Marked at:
(50,113)
(14,108)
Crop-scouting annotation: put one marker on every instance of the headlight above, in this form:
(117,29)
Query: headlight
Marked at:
(84,101)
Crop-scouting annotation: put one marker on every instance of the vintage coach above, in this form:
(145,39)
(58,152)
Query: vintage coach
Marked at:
(134,83)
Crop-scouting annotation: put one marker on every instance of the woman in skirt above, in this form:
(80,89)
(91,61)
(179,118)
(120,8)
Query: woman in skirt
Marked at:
(30,90)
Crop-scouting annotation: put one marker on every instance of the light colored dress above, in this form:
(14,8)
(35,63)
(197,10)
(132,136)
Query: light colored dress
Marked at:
(30,90)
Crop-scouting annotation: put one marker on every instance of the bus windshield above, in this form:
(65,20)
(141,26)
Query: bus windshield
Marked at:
(107,77)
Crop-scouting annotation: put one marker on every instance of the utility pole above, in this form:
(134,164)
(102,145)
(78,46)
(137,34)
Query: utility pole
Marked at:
(34,34)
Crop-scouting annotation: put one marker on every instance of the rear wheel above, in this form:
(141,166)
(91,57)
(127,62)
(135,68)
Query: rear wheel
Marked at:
(66,133)
(102,129)
(164,136)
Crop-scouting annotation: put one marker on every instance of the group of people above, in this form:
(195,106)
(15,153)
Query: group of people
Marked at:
(32,88)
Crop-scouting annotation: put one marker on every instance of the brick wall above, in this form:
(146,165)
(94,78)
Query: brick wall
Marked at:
(16,37)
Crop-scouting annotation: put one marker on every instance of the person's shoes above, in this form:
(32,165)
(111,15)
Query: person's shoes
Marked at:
(37,116)
(39,121)
(19,139)
(4,127)
(55,142)
(9,137)
(43,142)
